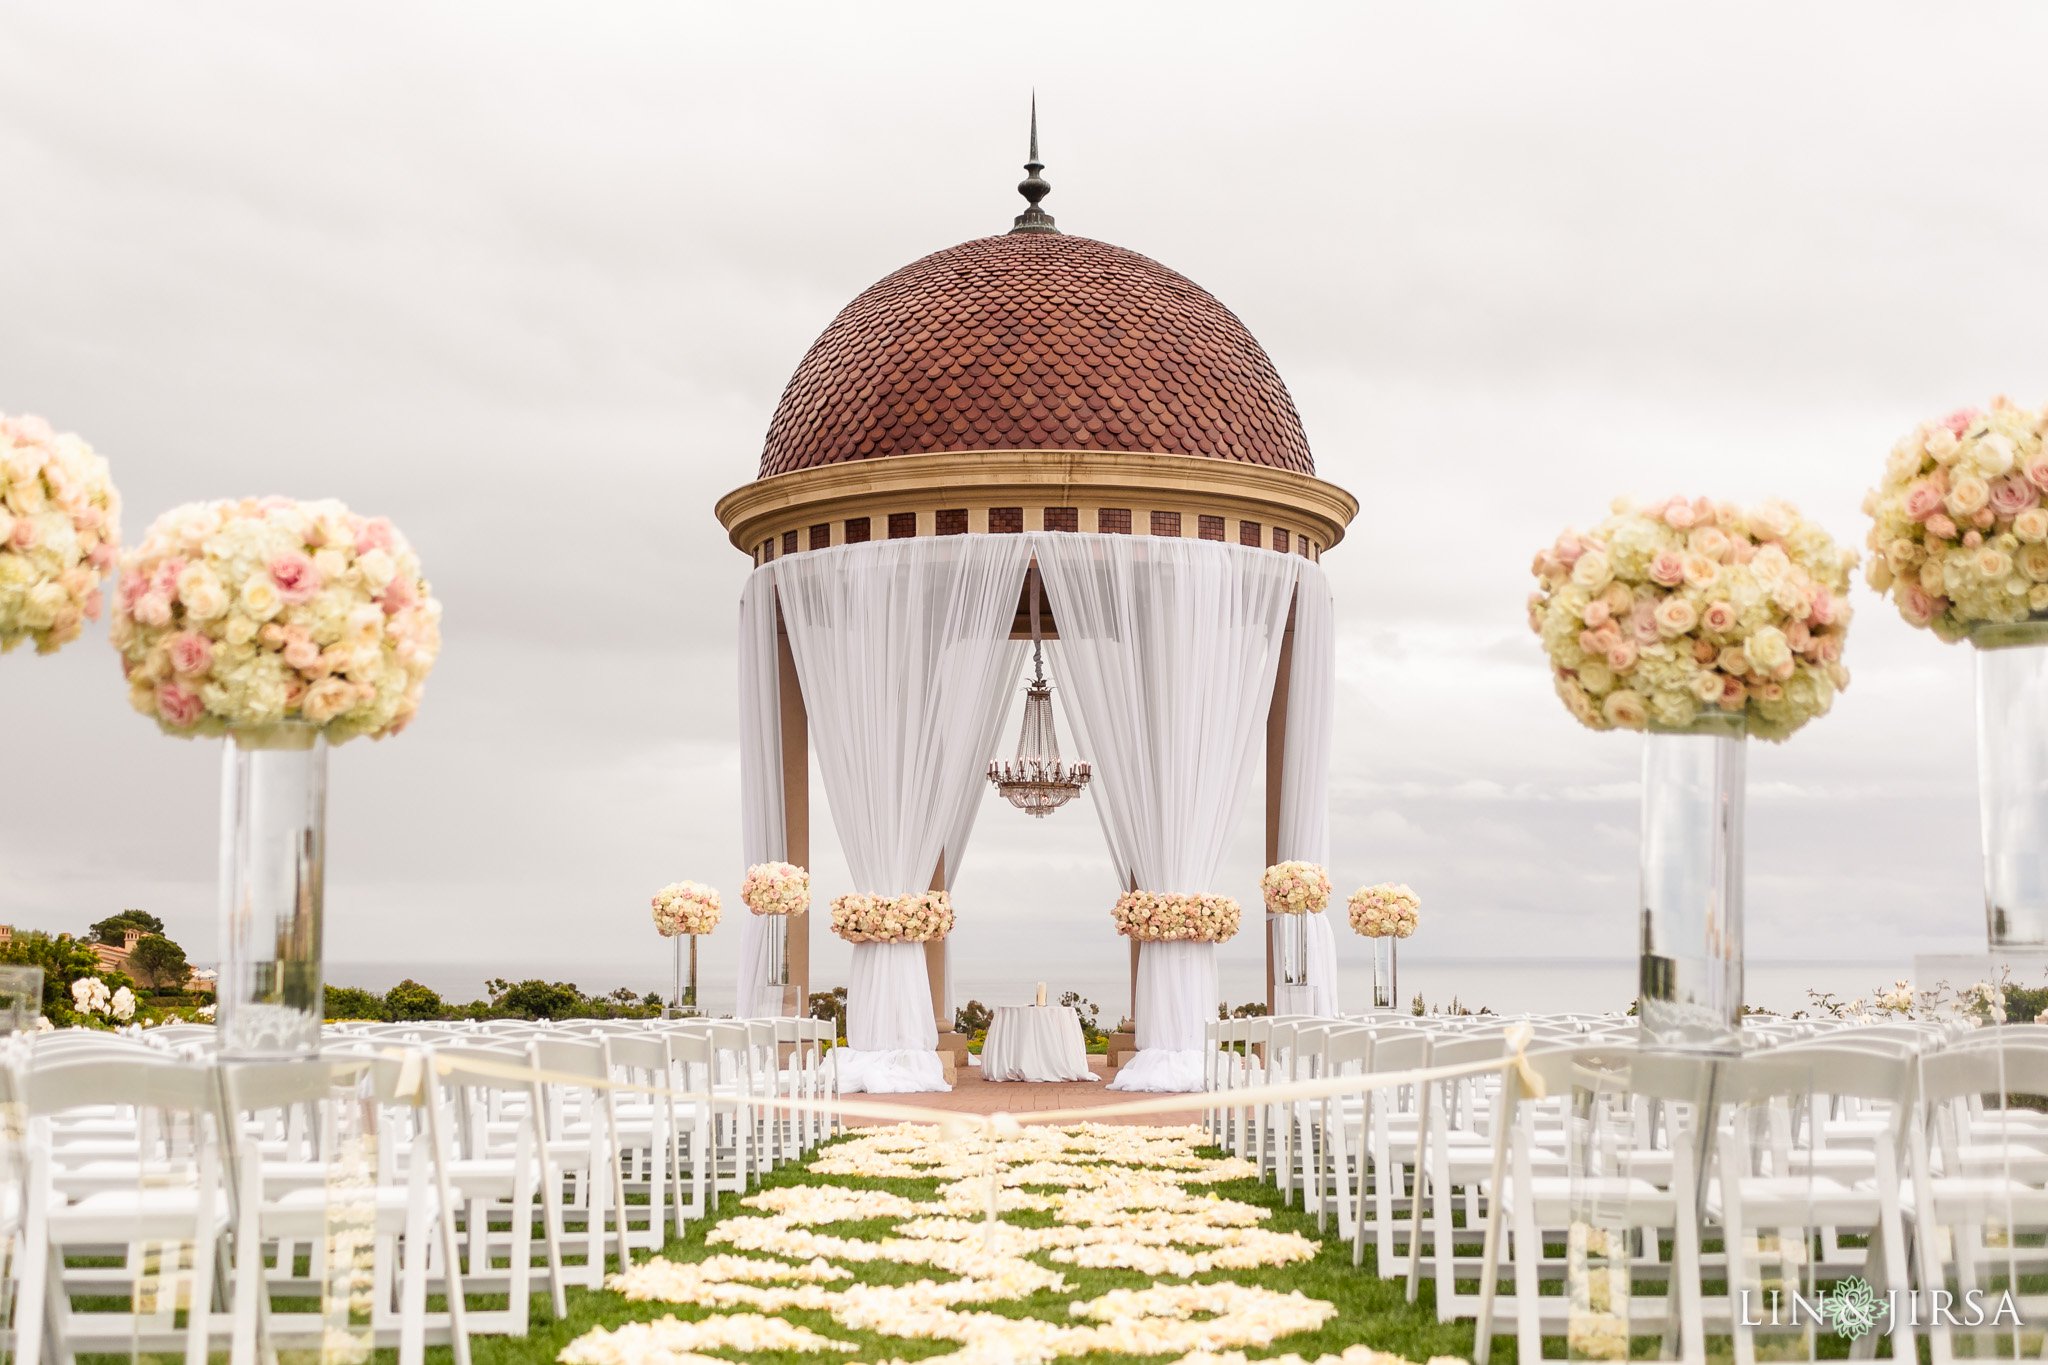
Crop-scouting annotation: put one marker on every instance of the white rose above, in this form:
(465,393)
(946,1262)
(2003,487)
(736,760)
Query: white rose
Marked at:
(1767,650)
(260,597)
(1592,572)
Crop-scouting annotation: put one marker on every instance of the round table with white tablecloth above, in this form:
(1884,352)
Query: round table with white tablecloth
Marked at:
(1035,1043)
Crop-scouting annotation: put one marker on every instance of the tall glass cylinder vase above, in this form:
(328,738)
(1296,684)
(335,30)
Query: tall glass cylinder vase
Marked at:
(1691,986)
(273,833)
(1385,989)
(2012,780)
(682,997)
(777,929)
(1292,933)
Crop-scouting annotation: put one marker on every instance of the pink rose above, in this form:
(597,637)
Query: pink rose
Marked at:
(2011,495)
(1959,421)
(1568,549)
(1734,695)
(1821,608)
(296,578)
(398,595)
(2037,473)
(1621,656)
(1596,615)
(1704,652)
(152,610)
(26,534)
(1923,500)
(1940,527)
(1799,635)
(165,581)
(180,706)
(1679,515)
(191,653)
(1643,623)
(1668,569)
(302,654)
(1915,604)
(376,533)
(1718,617)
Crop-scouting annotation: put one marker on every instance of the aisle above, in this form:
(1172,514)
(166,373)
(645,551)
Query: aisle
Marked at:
(1114,1243)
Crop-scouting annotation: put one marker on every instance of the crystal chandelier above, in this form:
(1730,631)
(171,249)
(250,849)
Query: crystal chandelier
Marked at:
(1037,783)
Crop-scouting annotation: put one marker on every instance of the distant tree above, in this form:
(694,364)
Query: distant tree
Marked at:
(113,930)
(1418,1007)
(973,1017)
(159,963)
(536,999)
(831,1007)
(353,1002)
(1250,1009)
(64,960)
(410,1000)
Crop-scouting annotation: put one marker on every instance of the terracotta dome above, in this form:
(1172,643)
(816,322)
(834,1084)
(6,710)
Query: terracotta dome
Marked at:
(1035,341)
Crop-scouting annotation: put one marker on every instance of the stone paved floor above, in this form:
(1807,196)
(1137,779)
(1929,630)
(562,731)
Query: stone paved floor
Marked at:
(973,1095)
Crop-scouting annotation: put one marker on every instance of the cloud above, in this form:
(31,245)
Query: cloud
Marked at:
(530,281)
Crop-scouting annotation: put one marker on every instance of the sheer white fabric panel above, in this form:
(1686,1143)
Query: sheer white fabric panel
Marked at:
(763,838)
(976,794)
(890,1036)
(1167,653)
(900,647)
(1305,794)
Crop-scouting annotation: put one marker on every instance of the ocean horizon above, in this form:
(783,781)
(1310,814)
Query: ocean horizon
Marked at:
(1503,985)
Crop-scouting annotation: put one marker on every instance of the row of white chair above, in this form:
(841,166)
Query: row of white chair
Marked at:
(165,1200)
(1648,1191)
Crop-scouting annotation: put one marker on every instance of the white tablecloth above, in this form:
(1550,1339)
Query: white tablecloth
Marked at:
(1035,1043)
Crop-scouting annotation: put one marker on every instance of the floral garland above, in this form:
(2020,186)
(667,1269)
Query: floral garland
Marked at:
(1388,910)
(685,908)
(917,918)
(241,616)
(1677,611)
(1959,524)
(60,523)
(1150,917)
(776,889)
(1295,888)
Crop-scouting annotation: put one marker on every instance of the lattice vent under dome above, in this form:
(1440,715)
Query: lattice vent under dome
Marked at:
(1037,783)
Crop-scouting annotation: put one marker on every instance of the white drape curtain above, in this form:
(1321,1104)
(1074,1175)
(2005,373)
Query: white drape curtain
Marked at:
(762,836)
(1167,653)
(1305,791)
(901,649)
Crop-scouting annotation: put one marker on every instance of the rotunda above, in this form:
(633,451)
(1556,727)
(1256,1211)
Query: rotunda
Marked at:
(935,449)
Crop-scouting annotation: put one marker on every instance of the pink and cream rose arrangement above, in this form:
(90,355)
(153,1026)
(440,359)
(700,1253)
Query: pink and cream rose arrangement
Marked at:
(1674,612)
(776,889)
(60,524)
(240,616)
(1153,917)
(1388,910)
(1295,888)
(1959,524)
(685,908)
(916,918)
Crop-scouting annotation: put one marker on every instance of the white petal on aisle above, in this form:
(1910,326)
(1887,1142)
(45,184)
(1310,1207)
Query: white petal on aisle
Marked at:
(1128,1198)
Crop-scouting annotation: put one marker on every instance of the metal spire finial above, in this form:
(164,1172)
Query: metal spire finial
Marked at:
(1034,187)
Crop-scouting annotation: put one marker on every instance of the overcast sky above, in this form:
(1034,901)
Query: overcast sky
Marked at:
(529,279)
